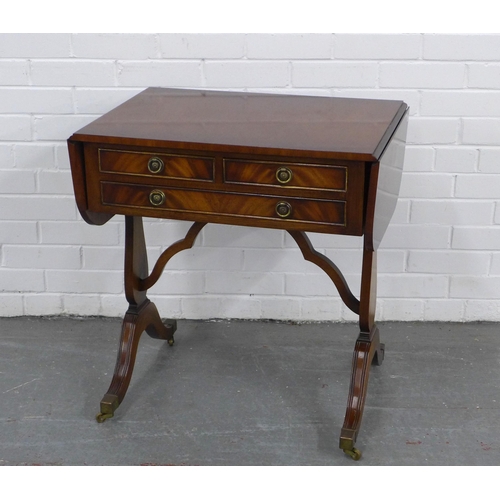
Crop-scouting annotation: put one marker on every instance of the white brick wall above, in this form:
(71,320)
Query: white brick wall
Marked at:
(440,259)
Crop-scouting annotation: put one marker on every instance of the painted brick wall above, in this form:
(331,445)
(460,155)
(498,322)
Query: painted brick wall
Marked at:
(440,259)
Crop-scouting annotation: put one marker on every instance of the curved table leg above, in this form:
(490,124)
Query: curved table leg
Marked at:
(367,350)
(136,321)
(141,316)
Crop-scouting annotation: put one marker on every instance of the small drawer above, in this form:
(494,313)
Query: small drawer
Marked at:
(157,165)
(300,175)
(234,205)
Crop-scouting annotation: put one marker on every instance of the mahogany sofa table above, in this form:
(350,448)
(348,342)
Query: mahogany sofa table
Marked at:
(294,163)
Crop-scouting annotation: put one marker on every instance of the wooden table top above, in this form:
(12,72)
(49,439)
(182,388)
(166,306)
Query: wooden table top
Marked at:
(277,124)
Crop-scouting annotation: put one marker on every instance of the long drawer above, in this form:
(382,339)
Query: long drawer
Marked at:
(187,204)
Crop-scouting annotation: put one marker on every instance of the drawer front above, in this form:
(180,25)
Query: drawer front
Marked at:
(156,165)
(167,202)
(290,175)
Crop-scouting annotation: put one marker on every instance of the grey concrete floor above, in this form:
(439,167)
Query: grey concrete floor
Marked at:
(247,393)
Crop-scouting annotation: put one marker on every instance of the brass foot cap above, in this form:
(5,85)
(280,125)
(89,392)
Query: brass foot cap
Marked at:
(109,403)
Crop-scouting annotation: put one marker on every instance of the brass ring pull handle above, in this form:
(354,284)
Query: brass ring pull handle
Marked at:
(155,165)
(284,175)
(157,197)
(283,209)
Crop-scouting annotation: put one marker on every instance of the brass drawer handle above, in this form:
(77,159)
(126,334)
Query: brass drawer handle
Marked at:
(284,175)
(157,197)
(283,209)
(155,165)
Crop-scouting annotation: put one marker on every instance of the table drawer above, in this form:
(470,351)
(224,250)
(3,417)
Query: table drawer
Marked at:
(169,201)
(156,165)
(290,175)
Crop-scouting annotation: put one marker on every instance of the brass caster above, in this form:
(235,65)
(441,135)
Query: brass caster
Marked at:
(355,454)
(101,417)
(171,342)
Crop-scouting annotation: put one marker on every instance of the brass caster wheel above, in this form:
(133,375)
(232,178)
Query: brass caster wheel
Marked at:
(355,454)
(171,342)
(101,417)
